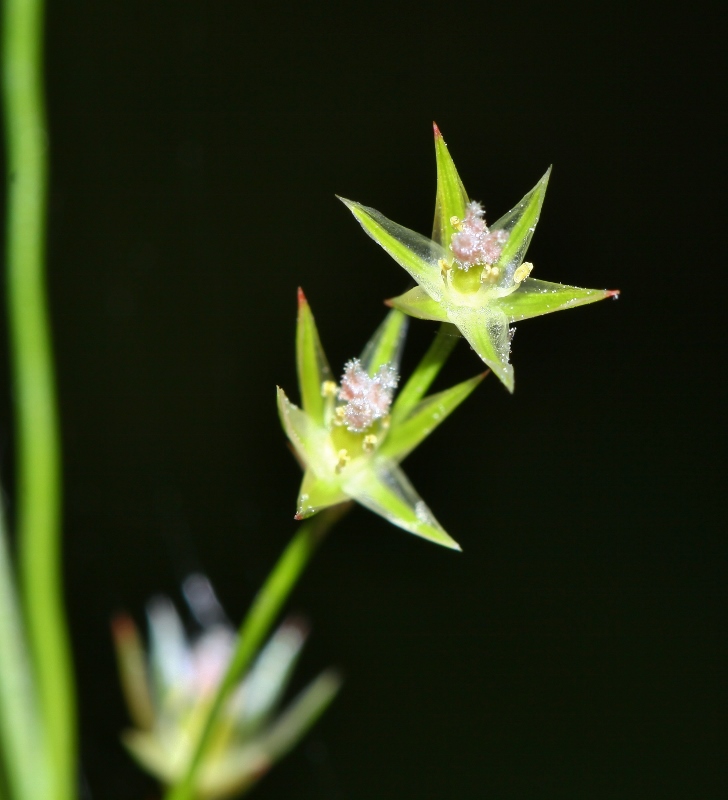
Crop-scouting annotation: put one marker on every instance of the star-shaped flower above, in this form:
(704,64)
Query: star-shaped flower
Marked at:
(351,437)
(169,691)
(471,274)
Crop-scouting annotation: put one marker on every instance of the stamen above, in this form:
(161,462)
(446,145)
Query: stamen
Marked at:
(329,389)
(344,459)
(369,443)
(522,272)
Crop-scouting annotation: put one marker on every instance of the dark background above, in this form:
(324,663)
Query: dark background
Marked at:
(577,647)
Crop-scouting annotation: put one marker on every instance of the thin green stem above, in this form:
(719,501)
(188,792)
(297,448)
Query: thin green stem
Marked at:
(38,449)
(22,754)
(256,626)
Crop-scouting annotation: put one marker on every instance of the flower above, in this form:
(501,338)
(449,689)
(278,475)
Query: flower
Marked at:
(170,689)
(350,437)
(471,274)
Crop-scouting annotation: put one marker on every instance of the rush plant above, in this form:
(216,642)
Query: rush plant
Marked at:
(209,712)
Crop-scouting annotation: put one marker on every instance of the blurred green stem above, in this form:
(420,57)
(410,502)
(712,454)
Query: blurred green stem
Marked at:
(22,755)
(37,439)
(256,626)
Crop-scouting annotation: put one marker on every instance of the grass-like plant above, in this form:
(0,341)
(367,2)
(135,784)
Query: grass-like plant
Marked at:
(207,709)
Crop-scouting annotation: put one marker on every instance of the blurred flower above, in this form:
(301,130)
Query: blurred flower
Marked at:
(169,690)
(350,437)
(470,274)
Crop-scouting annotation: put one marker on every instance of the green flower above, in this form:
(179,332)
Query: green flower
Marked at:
(351,437)
(471,274)
(169,692)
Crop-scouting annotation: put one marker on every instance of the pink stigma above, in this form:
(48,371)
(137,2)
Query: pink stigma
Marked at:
(367,398)
(473,243)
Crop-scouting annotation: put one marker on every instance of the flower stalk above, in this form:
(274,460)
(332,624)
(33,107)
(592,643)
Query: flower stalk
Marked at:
(253,632)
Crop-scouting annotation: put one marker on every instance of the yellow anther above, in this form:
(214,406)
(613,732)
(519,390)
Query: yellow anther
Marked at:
(522,272)
(344,459)
(339,415)
(444,268)
(489,274)
(329,389)
(456,222)
(369,443)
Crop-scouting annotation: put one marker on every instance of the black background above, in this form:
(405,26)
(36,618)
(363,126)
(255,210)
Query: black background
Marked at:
(577,647)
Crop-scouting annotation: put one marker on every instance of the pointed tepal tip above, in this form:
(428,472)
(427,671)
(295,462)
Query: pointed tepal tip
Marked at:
(350,204)
(298,517)
(301,297)
(613,293)
(123,627)
(436,131)
(389,303)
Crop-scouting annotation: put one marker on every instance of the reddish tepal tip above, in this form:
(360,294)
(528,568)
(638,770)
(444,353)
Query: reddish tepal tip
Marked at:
(123,627)
(301,297)
(436,130)
(612,292)
(297,516)
(389,303)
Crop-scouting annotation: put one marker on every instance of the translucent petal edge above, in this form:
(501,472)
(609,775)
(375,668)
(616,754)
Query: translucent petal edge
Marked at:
(486,330)
(414,252)
(386,491)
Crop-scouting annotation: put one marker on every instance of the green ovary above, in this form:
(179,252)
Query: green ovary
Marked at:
(466,282)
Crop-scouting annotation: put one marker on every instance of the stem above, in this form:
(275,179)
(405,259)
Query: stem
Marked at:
(38,450)
(255,628)
(23,757)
